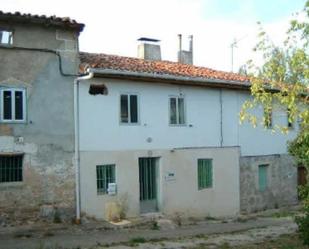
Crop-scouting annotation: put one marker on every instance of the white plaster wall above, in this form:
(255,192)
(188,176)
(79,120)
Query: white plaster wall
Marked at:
(99,118)
(180,194)
(262,141)
(100,128)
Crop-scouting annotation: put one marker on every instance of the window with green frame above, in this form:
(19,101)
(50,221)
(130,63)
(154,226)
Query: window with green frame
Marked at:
(263,177)
(105,175)
(204,173)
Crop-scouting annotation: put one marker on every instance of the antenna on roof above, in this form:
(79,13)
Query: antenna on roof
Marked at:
(234,45)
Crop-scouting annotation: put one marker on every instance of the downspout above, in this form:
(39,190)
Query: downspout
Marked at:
(221,119)
(76,147)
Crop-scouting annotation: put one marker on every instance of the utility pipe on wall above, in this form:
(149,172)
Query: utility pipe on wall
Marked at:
(76,147)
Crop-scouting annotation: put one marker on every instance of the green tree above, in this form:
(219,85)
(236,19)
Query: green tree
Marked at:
(282,82)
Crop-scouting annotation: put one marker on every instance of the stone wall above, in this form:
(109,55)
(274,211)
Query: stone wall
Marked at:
(46,138)
(281,187)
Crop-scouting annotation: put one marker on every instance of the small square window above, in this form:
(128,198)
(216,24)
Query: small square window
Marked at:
(105,175)
(13,105)
(204,173)
(11,168)
(177,110)
(6,37)
(129,108)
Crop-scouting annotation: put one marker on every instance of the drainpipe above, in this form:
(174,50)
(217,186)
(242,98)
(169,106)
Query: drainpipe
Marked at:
(221,118)
(76,147)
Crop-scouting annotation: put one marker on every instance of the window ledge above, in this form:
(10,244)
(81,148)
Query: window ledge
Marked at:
(129,124)
(178,125)
(9,185)
(13,122)
(6,45)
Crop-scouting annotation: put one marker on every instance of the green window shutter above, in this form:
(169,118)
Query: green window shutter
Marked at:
(263,177)
(204,173)
(105,175)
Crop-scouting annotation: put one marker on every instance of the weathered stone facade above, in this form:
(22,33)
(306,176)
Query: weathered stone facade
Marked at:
(281,187)
(43,60)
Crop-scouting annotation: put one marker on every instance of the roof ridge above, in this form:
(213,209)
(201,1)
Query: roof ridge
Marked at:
(159,62)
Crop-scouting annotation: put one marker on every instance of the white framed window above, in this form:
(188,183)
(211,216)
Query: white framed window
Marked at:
(13,105)
(177,110)
(129,113)
(6,37)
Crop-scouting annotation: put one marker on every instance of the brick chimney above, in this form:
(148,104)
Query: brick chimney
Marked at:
(184,56)
(149,49)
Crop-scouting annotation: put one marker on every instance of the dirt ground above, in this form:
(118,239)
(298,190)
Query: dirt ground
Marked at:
(155,232)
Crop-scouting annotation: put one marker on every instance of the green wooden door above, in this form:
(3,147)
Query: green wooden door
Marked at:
(148,184)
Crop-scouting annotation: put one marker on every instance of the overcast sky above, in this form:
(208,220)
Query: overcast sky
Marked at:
(113,26)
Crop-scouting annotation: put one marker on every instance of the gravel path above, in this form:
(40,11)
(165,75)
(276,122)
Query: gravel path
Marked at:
(79,237)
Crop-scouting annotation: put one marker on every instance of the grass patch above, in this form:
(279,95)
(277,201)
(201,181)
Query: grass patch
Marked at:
(135,241)
(282,214)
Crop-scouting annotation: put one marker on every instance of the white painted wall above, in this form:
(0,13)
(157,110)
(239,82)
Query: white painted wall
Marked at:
(101,130)
(179,194)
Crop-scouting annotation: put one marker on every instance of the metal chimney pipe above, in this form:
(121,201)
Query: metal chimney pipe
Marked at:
(180,42)
(191,43)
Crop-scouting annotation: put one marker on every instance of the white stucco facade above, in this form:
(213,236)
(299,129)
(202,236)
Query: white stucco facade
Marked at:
(100,127)
(211,130)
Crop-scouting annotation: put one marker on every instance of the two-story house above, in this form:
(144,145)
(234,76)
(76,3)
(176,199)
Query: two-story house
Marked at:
(148,135)
(38,64)
(168,135)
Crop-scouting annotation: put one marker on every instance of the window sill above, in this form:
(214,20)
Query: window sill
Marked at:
(129,124)
(206,188)
(13,122)
(6,45)
(9,185)
(178,125)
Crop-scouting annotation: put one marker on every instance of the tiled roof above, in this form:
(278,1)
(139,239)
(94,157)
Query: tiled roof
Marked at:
(120,63)
(64,22)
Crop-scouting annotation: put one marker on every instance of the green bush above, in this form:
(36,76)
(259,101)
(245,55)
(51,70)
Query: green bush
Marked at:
(303,221)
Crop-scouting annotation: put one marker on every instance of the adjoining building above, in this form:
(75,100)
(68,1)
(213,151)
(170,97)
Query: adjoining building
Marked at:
(39,62)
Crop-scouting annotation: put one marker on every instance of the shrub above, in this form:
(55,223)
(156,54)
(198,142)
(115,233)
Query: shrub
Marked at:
(303,221)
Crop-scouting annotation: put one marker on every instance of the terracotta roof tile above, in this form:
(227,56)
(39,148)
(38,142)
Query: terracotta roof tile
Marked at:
(64,22)
(121,63)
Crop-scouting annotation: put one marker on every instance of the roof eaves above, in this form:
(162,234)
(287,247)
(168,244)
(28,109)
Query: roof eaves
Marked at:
(168,78)
(64,22)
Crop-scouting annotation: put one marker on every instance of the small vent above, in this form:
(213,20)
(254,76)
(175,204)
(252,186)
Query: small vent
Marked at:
(98,89)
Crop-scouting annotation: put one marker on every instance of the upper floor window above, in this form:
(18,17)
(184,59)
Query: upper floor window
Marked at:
(289,119)
(177,110)
(129,108)
(6,37)
(268,117)
(13,105)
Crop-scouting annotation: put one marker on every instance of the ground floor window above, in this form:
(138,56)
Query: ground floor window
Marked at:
(105,175)
(204,173)
(11,168)
(263,177)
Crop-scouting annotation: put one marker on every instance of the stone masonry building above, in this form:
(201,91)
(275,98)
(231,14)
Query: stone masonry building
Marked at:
(38,64)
